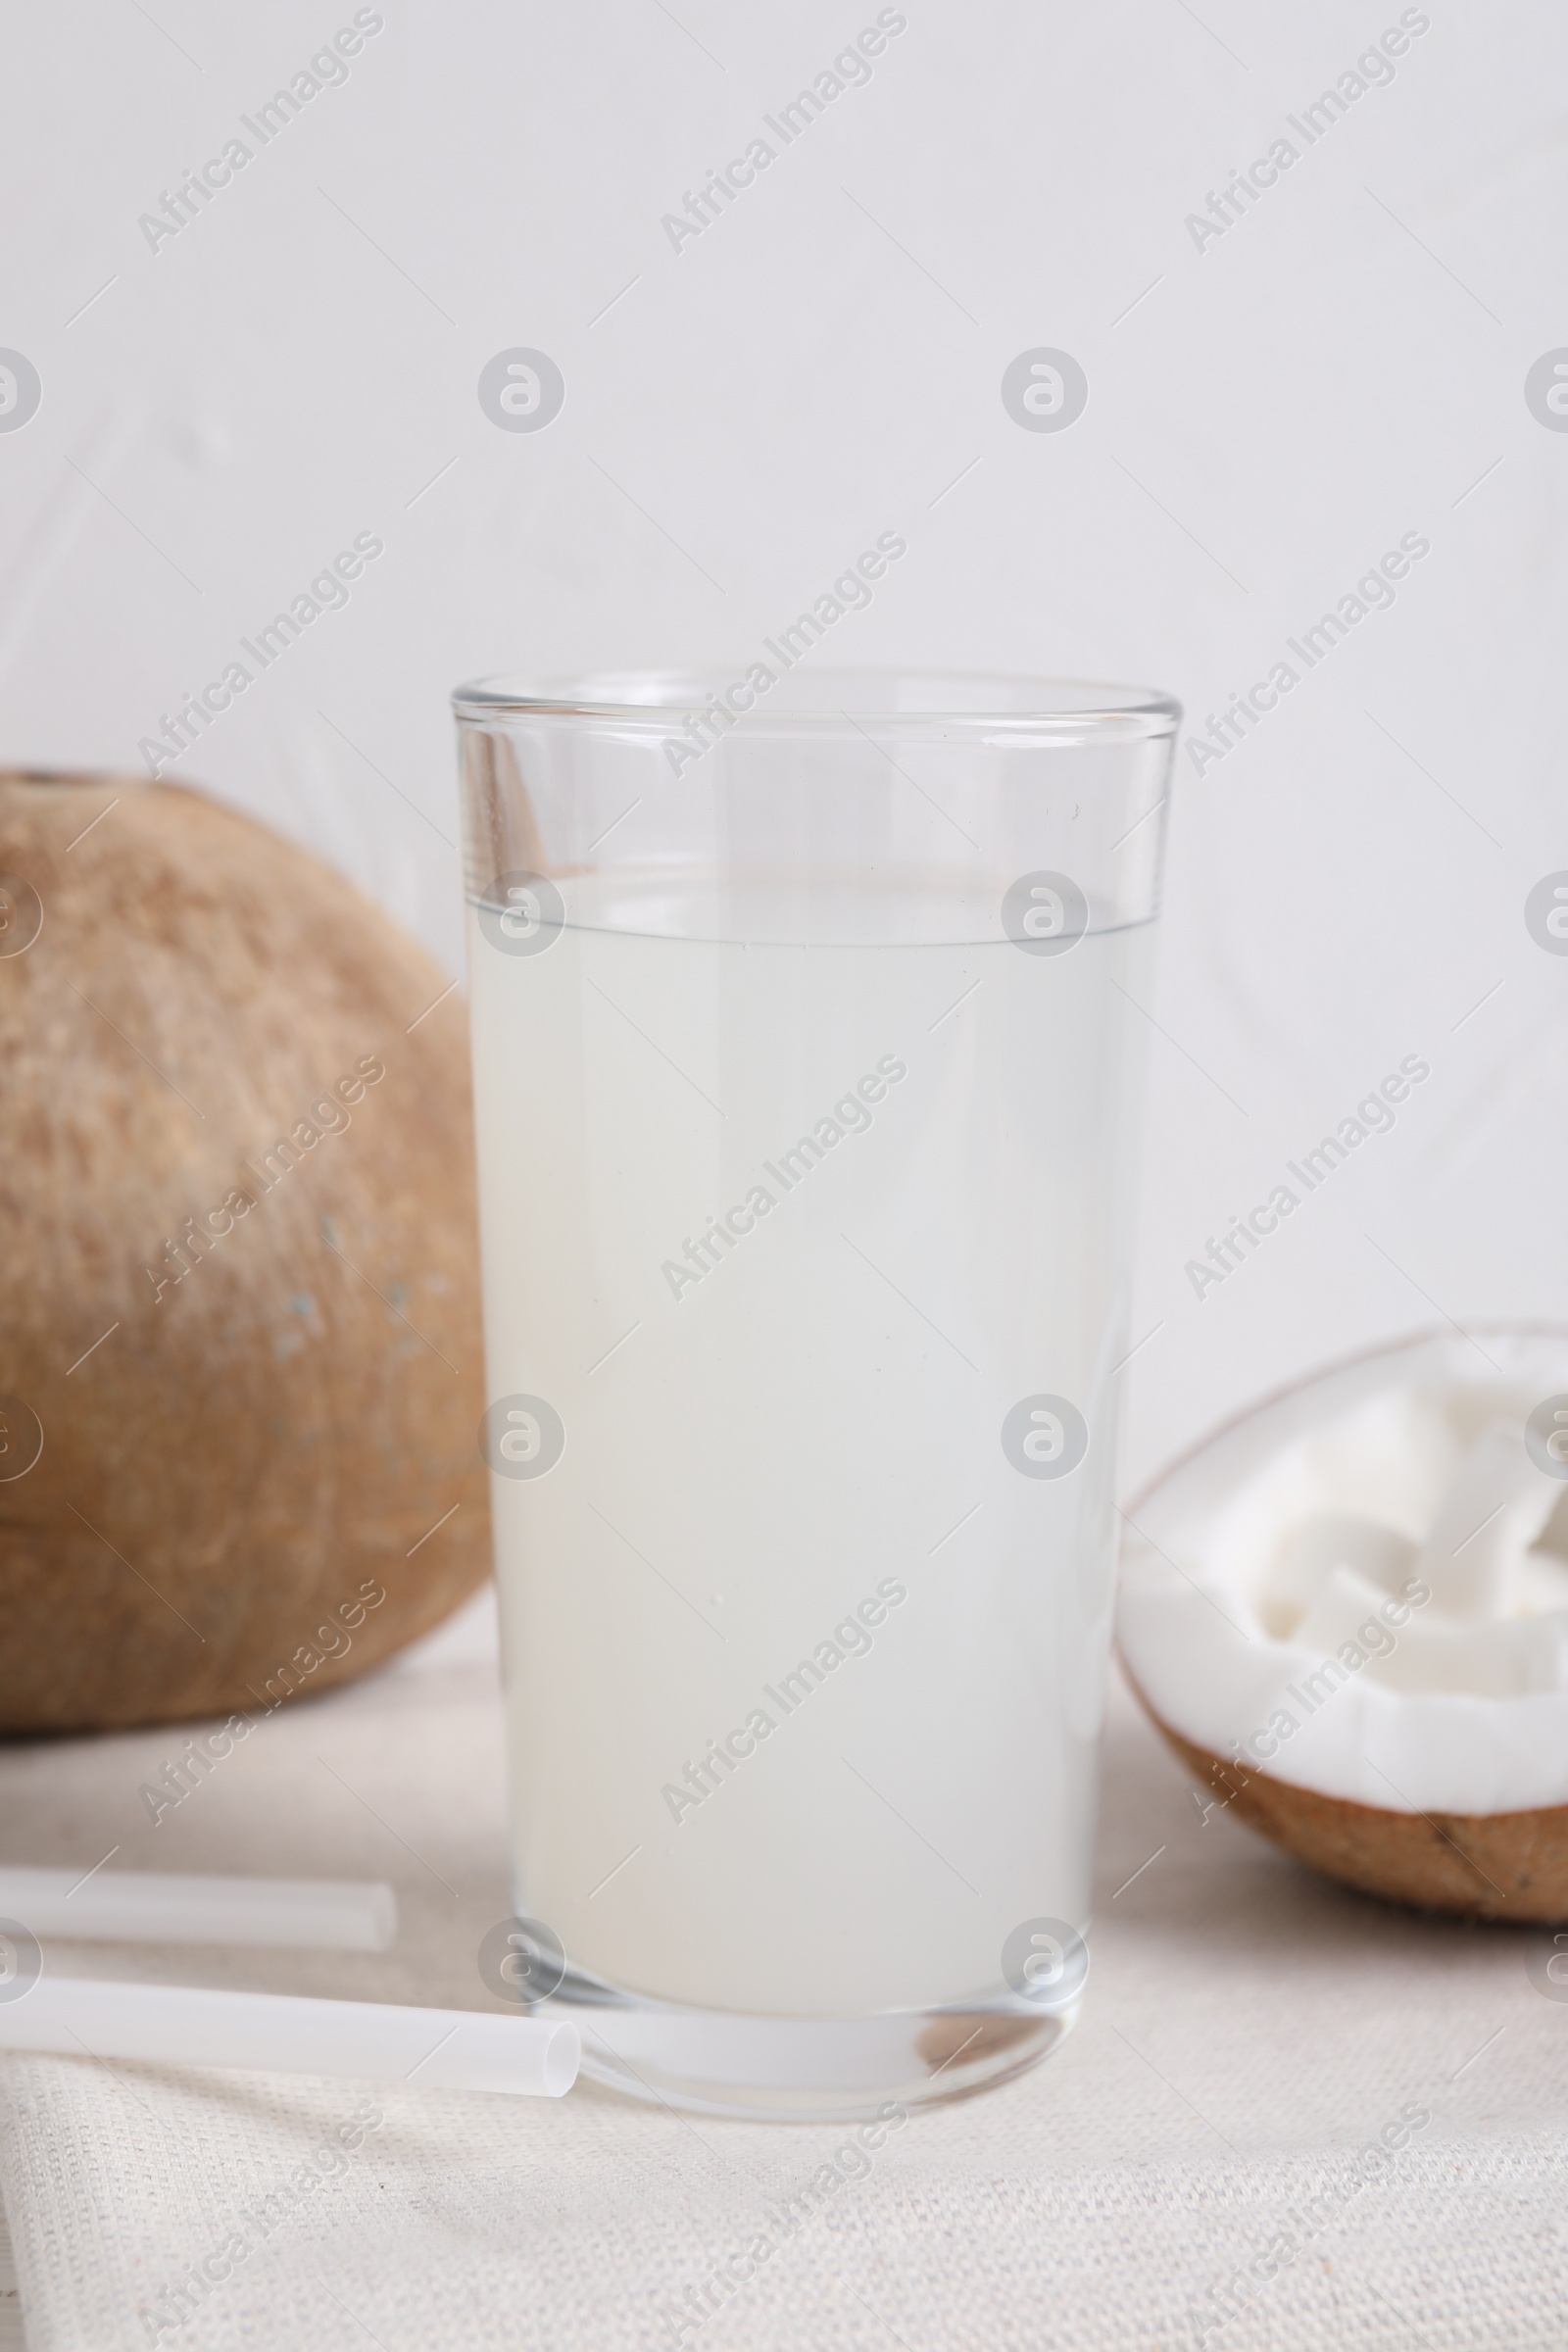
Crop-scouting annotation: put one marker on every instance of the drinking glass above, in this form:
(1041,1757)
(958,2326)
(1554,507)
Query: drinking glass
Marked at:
(808,1016)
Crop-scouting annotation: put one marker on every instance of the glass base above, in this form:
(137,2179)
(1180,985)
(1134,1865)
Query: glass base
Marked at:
(802,2070)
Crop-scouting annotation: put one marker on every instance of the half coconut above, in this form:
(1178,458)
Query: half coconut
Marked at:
(1347,1613)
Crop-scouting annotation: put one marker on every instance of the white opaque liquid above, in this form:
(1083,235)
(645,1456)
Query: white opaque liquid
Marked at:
(795,1457)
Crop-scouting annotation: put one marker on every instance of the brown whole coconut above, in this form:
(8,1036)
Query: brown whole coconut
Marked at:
(239,1324)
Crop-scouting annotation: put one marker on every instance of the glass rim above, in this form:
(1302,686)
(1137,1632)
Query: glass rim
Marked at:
(1012,704)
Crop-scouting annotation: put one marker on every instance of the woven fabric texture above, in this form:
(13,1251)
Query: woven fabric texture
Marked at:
(1206,2161)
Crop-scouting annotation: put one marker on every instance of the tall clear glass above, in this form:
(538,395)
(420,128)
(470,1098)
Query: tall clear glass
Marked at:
(808,1046)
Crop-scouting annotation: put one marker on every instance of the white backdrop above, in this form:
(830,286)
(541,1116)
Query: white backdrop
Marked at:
(1270,409)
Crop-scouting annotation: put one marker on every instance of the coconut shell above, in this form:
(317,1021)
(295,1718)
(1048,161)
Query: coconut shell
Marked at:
(239,1314)
(1506,1866)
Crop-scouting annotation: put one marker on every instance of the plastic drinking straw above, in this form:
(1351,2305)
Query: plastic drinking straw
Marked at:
(180,2025)
(133,1906)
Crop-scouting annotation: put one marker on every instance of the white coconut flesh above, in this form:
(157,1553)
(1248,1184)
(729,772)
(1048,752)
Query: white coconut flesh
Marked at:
(1361,1588)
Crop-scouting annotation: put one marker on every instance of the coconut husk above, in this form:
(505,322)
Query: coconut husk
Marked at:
(1496,1866)
(252,1417)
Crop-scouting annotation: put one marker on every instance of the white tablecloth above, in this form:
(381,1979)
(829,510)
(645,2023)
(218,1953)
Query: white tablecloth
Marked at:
(1250,2032)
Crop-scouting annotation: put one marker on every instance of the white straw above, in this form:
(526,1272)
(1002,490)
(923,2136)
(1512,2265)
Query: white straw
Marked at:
(434,2050)
(126,1906)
